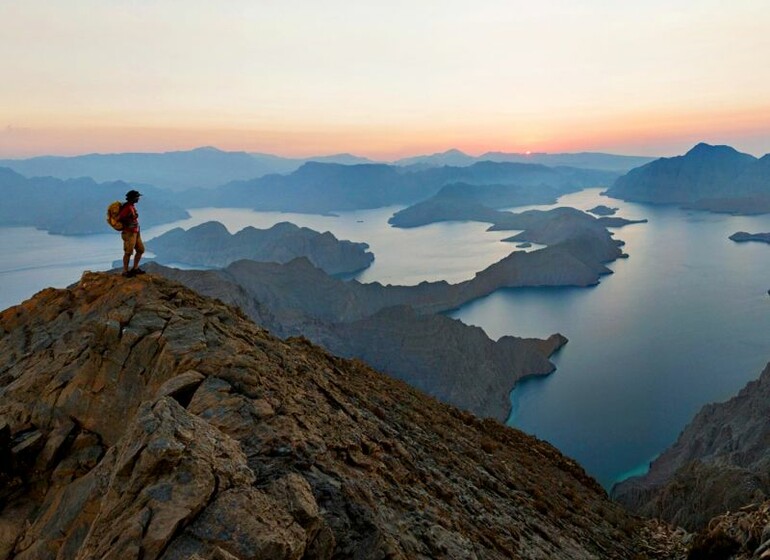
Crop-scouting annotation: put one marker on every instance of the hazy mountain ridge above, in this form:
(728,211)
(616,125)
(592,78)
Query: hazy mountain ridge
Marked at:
(144,420)
(211,245)
(75,206)
(323,188)
(714,178)
(586,160)
(208,167)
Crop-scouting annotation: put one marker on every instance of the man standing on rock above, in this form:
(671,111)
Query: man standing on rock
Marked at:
(132,239)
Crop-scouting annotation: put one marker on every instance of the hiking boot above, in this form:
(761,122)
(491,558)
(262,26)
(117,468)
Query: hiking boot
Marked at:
(137,272)
(128,274)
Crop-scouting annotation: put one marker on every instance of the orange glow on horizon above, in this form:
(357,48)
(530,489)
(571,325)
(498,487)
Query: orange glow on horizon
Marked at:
(652,133)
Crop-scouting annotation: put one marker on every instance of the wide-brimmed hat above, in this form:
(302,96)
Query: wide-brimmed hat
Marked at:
(133,195)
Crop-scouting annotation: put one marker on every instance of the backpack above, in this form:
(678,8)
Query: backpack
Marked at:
(112,215)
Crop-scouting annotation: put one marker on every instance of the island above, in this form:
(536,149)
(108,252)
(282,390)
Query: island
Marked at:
(742,236)
(211,245)
(602,210)
(480,203)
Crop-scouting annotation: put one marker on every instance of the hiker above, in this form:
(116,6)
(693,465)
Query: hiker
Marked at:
(132,239)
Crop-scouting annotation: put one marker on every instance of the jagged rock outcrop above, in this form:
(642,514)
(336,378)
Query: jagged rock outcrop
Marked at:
(141,420)
(720,462)
(210,244)
(740,535)
(714,178)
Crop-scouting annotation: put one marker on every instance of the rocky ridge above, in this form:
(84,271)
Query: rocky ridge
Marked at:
(141,420)
(720,462)
(398,329)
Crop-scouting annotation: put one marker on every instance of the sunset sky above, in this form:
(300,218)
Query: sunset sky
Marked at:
(383,79)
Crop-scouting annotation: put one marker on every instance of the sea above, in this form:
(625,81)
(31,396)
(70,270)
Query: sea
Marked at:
(684,321)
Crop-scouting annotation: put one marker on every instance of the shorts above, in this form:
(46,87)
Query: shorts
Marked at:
(132,240)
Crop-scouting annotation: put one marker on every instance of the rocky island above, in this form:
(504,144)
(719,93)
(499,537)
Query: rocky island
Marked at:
(478,203)
(602,210)
(211,245)
(141,420)
(742,236)
(472,203)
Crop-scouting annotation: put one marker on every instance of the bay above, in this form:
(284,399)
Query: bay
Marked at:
(684,321)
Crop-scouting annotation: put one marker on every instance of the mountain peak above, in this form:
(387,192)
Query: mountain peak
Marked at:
(704,149)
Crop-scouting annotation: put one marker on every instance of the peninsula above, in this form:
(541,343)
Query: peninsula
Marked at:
(399,329)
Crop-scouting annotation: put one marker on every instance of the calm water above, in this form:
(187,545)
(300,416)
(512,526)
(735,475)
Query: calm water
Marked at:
(682,322)
(31,260)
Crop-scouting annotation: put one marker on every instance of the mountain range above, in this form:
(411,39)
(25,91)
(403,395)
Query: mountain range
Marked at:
(324,188)
(209,167)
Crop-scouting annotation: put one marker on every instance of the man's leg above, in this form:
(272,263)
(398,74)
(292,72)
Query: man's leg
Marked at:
(139,247)
(129,241)
(128,248)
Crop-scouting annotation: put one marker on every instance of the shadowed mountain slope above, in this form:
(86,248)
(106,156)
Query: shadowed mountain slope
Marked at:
(141,420)
(714,178)
(719,463)
(75,206)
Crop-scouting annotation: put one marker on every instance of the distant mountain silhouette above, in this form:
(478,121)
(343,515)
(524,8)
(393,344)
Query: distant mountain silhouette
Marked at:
(584,160)
(208,167)
(75,206)
(321,187)
(716,178)
(204,167)
(452,157)
(344,159)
